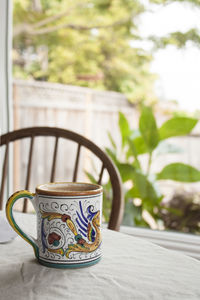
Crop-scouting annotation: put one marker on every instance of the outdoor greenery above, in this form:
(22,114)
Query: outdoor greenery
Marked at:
(88,43)
(141,186)
(182,212)
(94,44)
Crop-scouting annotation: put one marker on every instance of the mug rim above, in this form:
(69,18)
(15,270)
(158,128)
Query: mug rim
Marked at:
(97,189)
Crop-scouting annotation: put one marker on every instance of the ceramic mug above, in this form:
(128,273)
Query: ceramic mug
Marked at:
(68,223)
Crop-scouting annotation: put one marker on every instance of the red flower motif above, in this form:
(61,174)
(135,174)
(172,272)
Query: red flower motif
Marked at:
(65,217)
(53,237)
(81,242)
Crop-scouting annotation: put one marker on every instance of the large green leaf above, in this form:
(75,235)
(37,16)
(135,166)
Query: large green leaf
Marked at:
(177,126)
(140,145)
(133,152)
(143,189)
(124,128)
(127,171)
(179,172)
(148,128)
(131,212)
(133,193)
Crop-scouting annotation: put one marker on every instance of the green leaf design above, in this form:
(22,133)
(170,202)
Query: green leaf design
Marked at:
(148,128)
(179,172)
(177,126)
(124,128)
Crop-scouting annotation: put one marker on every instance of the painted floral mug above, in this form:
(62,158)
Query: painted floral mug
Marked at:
(68,223)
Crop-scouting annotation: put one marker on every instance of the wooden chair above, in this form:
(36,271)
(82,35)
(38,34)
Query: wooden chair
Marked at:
(106,164)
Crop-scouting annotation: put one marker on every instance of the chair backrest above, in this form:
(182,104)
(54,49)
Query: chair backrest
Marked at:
(106,164)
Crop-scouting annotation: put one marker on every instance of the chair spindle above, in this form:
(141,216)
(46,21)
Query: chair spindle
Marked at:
(4,175)
(101,174)
(54,160)
(25,205)
(76,163)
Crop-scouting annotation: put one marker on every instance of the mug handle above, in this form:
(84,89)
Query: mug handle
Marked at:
(9,214)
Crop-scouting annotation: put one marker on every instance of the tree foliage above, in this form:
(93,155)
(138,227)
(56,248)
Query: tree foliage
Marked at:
(178,39)
(87,43)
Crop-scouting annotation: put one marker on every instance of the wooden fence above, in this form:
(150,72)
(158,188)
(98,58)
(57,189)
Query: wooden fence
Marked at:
(88,112)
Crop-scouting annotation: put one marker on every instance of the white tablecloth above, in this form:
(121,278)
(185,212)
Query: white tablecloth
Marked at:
(131,268)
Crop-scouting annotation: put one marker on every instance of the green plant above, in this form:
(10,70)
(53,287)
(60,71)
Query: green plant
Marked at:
(141,188)
(97,44)
(182,212)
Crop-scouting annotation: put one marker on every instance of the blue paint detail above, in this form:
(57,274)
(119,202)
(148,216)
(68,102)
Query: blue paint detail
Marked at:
(68,266)
(93,235)
(84,234)
(85,224)
(43,235)
(81,227)
(91,214)
(82,212)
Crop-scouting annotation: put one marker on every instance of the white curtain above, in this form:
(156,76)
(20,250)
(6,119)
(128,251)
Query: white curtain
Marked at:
(6,112)
(6,118)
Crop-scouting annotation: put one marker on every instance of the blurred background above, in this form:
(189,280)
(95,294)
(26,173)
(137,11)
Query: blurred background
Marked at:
(114,70)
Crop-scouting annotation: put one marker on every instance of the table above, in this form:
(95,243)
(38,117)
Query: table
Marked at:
(131,268)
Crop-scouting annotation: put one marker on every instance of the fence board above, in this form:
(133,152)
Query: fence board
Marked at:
(85,111)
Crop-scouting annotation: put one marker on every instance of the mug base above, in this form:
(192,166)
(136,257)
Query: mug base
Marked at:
(68,266)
